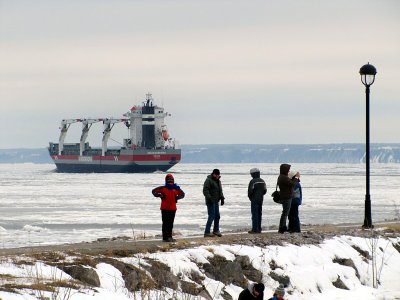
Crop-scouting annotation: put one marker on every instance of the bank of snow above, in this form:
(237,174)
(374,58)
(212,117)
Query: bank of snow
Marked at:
(311,269)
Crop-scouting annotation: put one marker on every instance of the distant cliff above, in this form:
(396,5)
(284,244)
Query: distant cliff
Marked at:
(306,153)
(246,153)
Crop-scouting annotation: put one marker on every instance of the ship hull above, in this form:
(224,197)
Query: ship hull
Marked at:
(133,161)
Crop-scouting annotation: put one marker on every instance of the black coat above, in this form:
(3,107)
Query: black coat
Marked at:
(285,184)
(257,188)
(246,295)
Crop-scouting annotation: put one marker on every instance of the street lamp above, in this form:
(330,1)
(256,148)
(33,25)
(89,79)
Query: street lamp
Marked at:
(367,73)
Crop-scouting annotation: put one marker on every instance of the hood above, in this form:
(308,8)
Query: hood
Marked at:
(259,287)
(250,287)
(169,178)
(284,169)
(212,177)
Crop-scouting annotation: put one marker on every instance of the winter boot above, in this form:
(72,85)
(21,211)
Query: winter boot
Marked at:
(282,229)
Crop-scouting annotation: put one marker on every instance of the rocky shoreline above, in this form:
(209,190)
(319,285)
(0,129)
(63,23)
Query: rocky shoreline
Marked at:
(80,260)
(311,234)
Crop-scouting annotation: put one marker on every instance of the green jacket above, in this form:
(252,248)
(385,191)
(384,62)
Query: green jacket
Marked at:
(212,190)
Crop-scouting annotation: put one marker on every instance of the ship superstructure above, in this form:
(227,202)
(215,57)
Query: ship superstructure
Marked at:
(147,149)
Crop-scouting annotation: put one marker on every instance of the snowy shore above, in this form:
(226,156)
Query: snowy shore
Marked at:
(329,262)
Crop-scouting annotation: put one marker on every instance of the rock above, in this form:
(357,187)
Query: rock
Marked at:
(163,276)
(248,270)
(396,246)
(191,288)
(225,271)
(346,262)
(363,253)
(135,279)
(339,284)
(83,274)
(284,279)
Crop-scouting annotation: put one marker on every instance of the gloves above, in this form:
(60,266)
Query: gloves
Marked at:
(222,202)
(161,195)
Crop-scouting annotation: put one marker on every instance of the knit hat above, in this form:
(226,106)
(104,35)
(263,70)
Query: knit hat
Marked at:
(254,170)
(259,287)
(216,172)
(280,290)
(291,174)
(169,178)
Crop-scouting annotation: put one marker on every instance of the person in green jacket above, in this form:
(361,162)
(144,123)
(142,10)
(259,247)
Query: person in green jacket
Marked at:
(212,191)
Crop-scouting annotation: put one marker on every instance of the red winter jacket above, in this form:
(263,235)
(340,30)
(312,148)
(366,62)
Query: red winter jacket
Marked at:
(169,194)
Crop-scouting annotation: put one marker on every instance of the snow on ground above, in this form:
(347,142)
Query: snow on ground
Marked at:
(311,270)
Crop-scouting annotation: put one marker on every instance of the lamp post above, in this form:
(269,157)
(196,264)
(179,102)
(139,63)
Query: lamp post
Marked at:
(367,73)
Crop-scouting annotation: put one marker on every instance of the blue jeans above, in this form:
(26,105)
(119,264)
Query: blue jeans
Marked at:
(213,216)
(294,221)
(256,214)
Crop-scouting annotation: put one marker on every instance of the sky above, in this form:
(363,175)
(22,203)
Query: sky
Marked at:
(314,261)
(259,72)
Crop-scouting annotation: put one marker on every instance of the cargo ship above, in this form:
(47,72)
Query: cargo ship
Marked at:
(148,148)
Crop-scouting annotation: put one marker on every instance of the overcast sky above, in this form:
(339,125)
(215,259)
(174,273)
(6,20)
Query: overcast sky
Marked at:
(261,72)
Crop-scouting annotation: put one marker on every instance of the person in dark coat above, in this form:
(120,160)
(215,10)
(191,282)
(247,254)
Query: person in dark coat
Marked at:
(294,220)
(256,191)
(212,191)
(253,291)
(169,193)
(286,186)
(279,293)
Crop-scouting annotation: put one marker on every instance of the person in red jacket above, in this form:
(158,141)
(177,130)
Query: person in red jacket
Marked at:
(169,193)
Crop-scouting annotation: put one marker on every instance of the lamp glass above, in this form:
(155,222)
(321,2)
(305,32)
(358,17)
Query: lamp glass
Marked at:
(367,79)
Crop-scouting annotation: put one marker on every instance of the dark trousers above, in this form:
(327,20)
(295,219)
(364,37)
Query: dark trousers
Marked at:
(213,216)
(168,217)
(294,221)
(285,212)
(256,215)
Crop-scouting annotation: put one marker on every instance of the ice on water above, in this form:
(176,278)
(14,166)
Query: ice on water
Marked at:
(40,206)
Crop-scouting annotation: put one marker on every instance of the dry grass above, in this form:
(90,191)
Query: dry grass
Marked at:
(49,257)
(85,260)
(390,226)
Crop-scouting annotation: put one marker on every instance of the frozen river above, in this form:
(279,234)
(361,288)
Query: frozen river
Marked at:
(40,206)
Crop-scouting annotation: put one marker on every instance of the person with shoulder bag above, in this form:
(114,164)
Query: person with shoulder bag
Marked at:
(286,186)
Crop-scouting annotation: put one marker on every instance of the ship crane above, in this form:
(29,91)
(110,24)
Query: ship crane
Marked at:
(63,133)
(86,124)
(108,126)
